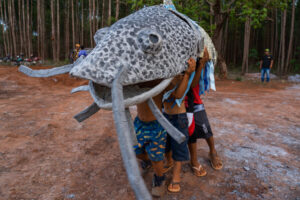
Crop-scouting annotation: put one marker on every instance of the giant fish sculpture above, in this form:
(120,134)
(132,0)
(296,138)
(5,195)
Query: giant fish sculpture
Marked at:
(152,44)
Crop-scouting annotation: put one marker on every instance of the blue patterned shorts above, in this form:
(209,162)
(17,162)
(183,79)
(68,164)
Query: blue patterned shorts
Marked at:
(151,137)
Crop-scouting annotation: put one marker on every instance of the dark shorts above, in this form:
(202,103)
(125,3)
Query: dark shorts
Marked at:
(151,137)
(180,152)
(202,127)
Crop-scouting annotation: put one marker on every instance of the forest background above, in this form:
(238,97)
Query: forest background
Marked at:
(240,29)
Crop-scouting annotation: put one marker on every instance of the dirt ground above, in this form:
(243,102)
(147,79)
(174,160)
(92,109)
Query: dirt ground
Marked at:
(46,154)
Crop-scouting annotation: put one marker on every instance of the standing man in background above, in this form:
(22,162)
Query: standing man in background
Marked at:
(266,64)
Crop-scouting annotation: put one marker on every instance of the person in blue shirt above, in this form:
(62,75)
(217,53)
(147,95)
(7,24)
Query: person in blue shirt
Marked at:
(266,65)
(82,52)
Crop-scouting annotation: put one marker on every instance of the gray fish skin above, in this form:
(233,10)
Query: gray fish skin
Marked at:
(153,43)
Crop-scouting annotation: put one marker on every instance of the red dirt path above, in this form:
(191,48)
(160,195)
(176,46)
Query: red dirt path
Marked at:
(46,154)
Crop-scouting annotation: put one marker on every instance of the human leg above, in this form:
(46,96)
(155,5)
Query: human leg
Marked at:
(203,130)
(196,166)
(215,160)
(174,186)
(145,161)
(139,149)
(170,162)
(159,179)
(211,144)
(156,150)
(180,152)
(262,75)
(268,74)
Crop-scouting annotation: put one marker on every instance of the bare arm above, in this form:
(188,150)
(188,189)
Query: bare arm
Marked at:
(200,66)
(179,92)
(271,64)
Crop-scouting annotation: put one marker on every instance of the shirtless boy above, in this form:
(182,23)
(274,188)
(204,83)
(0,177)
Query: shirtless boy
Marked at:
(202,127)
(151,138)
(177,116)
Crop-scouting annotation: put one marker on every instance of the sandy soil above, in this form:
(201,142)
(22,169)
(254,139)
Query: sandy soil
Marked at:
(46,154)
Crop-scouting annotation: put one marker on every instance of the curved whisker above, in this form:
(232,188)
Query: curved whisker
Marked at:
(123,131)
(172,131)
(86,113)
(131,127)
(80,89)
(45,72)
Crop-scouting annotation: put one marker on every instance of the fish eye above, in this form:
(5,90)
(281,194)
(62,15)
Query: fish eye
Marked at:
(150,41)
(153,38)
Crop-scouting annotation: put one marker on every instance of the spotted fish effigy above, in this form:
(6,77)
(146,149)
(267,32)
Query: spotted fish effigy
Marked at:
(155,42)
(151,44)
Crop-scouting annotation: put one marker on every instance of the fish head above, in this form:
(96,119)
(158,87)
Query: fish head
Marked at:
(152,44)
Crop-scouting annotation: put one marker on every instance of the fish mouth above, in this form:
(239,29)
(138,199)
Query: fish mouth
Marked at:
(133,94)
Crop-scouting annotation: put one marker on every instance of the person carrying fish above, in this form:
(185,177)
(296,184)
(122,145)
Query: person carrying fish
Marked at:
(176,114)
(151,142)
(199,126)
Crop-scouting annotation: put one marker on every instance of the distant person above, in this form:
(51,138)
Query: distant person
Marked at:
(266,64)
(76,52)
(82,52)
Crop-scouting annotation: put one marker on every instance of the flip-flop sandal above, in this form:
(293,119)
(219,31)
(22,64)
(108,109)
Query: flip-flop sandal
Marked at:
(167,168)
(171,187)
(217,159)
(199,171)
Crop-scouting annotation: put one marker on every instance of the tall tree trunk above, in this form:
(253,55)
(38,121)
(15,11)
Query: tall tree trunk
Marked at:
(53,36)
(282,55)
(117,9)
(73,25)
(14,32)
(3,31)
(211,19)
(97,14)
(288,59)
(28,29)
(39,41)
(109,12)
(225,39)
(67,30)
(94,18)
(272,32)
(90,23)
(235,44)
(6,18)
(20,26)
(103,10)
(246,46)
(24,28)
(58,32)
(77,22)
(82,24)
(12,24)
(275,53)
(43,38)
(220,19)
